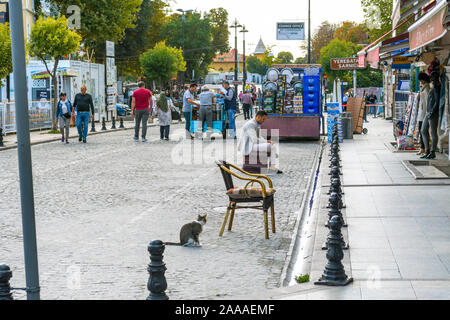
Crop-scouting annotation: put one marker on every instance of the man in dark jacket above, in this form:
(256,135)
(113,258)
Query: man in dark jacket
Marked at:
(431,121)
(85,109)
(230,106)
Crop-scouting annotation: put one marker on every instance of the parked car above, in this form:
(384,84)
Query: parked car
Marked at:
(123,110)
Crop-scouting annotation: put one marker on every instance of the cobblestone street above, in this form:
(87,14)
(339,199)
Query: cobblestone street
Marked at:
(99,205)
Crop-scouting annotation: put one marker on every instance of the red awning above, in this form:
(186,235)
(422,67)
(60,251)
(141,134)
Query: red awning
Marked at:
(429,28)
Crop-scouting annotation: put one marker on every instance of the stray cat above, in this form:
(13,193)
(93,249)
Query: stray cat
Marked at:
(189,234)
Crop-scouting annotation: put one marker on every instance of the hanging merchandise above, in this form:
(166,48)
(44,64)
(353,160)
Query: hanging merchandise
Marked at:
(413,123)
(269,97)
(272,75)
(289,75)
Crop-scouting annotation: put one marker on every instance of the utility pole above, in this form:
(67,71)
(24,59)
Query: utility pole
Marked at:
(24,151)
(309,31)
(235,26)
(244,31)
(183,20)
(4,6)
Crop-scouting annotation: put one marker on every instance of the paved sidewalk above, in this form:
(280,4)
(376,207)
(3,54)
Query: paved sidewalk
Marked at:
(398,227)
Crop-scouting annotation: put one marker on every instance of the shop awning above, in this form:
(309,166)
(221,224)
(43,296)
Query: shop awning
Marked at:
(65,72)
(429,28)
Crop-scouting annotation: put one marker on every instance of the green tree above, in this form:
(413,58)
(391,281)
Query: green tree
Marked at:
(220,34)
(162,63)
(198,50)
(285,57)
(50,38)
(352,32)
(337,49)
(101,21)
(378,17)
(321,38)
(254,65)
(301,60)
(268,58)
(5,52)
(150,19)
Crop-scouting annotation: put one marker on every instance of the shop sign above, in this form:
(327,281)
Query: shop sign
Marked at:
(429,31)
(345,63)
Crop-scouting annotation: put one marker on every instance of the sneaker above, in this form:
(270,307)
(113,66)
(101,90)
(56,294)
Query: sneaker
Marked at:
(67,141)
(80,138)
(136,139)
(84,141)
(62,140)
(144,140)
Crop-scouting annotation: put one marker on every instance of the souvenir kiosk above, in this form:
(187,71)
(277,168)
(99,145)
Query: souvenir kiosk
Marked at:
(292,96)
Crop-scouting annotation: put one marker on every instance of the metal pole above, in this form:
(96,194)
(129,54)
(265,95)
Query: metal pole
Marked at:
(309,31)
(24,151)
(235,59)
(183,18)
(244,31)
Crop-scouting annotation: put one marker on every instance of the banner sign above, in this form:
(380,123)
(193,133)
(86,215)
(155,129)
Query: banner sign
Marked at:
(291,31)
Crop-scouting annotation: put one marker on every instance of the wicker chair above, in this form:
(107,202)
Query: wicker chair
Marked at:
(264,195)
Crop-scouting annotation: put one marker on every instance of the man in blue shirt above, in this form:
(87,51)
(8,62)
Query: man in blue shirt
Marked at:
(188,101)
(230,107)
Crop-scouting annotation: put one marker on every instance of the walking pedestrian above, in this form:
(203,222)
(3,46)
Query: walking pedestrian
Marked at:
(423,100)
(163,109)
(63,116)
(230,107)
(431,120)
(140,108)
(85,106)
(188,101)
(207,100)
(259,98)
(367,102)
(247,103)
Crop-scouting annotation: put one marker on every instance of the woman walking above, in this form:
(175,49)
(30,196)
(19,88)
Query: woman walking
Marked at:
(431,120)
(163,109)
(64,115)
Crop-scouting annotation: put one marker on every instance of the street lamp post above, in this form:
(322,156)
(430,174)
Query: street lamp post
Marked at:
(24,151)
(244,31)
(183,20)
(235,26)
(309,31)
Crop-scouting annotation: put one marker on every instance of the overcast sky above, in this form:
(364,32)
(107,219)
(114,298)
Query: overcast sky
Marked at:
(260,17)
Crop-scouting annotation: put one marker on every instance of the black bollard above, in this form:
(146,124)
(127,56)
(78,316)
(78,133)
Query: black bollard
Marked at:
(121,124)
(157,283)
(335,162)
(335,173)
(5,287)
(336,205)
(93,126)
(334,274)
(336,186)
(1,137)
(113,127)
(103,124)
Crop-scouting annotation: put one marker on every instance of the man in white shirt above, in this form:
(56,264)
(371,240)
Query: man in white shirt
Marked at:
(252,144)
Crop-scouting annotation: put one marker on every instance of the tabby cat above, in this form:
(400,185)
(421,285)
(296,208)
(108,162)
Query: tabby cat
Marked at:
(190,232)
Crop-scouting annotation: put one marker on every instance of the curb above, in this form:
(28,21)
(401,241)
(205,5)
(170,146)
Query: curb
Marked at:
(298,225)
(71,137)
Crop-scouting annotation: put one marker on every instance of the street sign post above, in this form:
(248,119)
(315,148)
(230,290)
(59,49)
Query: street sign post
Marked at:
(345,64)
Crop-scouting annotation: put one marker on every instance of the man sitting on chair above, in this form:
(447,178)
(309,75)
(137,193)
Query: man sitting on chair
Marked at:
(252,145)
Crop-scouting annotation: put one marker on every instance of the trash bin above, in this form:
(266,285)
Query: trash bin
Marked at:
(347,125)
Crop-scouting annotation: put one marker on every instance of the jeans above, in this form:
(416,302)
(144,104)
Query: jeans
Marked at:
(231,122)
(246,108)
(430,124)
(165,131)
(187,117)
(422,144)
(141,116)
(83,124)
(64,123)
